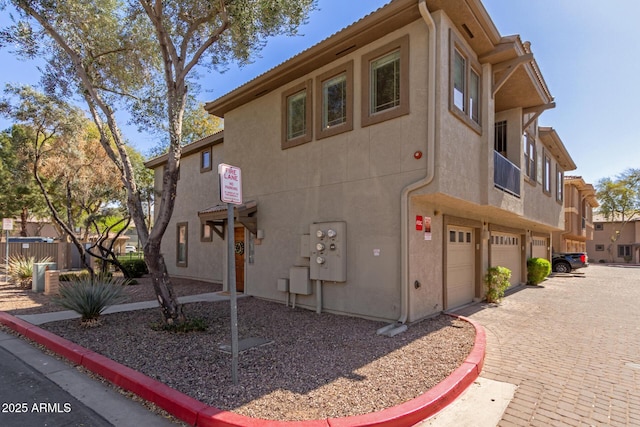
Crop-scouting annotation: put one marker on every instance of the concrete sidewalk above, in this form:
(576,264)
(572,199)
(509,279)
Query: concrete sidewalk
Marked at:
(40,390)
(39,319)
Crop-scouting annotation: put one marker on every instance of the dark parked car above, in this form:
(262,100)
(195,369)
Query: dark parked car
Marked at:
(565,262)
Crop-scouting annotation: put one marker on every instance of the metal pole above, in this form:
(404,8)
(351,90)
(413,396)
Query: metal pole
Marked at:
(6,259)
(231,280)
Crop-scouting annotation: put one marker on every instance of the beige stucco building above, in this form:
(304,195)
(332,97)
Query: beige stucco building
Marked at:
(615,241)
(384,169)
(579,203)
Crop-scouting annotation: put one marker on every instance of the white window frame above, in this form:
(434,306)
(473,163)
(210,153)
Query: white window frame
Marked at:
(291,140)
(324,129)
(399,48)
(465,96)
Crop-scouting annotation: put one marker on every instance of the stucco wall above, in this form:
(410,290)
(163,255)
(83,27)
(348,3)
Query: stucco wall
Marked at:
(196,191)
(356,177)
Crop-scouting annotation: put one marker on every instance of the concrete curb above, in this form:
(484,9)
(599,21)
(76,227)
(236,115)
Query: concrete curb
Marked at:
(197,413)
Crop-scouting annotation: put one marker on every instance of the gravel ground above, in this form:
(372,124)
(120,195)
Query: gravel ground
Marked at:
(315,366)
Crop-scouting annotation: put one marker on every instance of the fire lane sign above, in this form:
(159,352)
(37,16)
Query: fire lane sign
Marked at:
(230,178)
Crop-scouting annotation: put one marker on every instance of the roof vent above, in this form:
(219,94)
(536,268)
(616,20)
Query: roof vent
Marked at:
(343,51)
(467,30)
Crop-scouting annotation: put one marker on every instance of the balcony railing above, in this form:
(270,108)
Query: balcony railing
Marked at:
(506,175)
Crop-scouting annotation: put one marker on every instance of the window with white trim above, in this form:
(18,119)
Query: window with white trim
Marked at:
(334,101)
(385,82)
(546,175)
(465,84)
(296,118)
(559,184)
(530,157)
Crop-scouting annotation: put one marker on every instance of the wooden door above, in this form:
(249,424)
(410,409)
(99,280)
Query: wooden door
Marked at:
(239,254)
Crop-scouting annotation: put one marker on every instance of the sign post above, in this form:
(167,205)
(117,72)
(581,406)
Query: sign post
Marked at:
(231,194)
(7,225)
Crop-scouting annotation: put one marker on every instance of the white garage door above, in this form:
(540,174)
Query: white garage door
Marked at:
(460,266)
(505,252)
(539,247)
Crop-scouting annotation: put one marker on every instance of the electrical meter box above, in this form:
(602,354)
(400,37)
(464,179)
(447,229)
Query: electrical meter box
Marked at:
(328,249)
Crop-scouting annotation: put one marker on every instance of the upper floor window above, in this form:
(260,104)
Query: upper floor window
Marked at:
(205,160)
(598,226)
(385,79)
(530,157)
(465,84)
(334,101)
(296,120)
(546,177)
(500,137)
(559,184)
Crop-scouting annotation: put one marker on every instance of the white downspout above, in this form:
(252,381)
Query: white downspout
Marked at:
(431,164)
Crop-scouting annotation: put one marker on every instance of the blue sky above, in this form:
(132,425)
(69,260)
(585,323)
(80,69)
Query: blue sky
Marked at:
(586,50)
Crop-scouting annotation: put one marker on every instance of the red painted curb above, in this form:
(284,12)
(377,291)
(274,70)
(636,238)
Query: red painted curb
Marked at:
(199,414)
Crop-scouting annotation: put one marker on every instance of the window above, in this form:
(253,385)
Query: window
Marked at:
(205,233)
(182,241)
(385,79)
(546,177)
(500,137)
(334,101)
(598,226)
(465,84)
(599,248)
(205,160)
(530,157)
(624,251)
(296,119)
(559,184)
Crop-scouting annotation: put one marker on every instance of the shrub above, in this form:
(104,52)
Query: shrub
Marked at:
(90,298)
(134,267)
(497,281)
(21,269)
(537,270)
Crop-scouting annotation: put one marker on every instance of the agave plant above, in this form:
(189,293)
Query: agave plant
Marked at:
(21,269)
(89,298)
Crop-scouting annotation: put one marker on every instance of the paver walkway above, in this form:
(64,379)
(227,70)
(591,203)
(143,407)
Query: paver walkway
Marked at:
(572,347)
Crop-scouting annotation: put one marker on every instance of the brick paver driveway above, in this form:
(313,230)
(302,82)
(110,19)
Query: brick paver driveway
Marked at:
(572,346)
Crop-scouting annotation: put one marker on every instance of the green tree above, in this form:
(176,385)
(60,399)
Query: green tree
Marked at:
(61,150)
(619,201)
(144,54)
(20,196)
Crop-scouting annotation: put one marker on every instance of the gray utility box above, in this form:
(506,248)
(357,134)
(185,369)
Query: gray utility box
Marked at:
(39,270)
(328,248)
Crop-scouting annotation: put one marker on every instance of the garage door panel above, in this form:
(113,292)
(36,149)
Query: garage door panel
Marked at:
(505,252)
(460,266)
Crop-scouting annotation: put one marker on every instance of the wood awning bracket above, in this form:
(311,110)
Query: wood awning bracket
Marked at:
(509,67)
(245,214)
(537,111)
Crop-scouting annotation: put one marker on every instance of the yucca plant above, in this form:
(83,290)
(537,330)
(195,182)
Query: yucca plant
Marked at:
(21,269)
(90,298)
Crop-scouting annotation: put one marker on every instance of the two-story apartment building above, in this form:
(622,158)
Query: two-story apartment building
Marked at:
(615,240)
(579,202)
(384,169)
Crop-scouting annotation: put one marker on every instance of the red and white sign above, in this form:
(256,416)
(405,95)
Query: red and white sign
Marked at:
(418,222)
(230,184)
